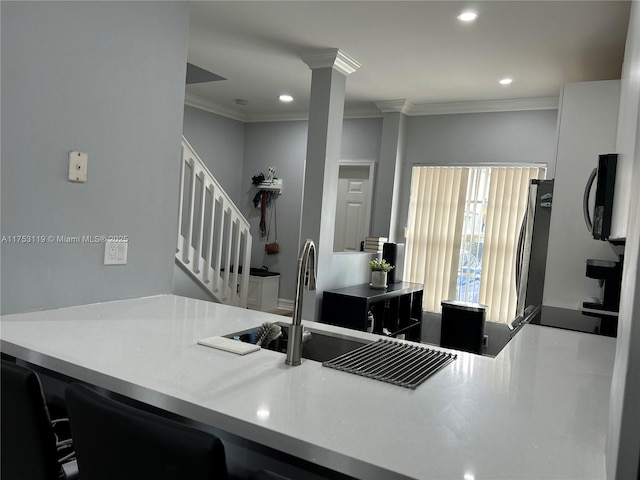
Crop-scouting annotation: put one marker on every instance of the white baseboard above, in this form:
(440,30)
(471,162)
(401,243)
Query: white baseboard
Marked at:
(285,304)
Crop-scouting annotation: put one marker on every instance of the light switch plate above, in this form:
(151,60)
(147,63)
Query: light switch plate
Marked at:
(78,167)
(115,253)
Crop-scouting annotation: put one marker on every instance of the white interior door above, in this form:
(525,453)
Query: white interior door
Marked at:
(353,208)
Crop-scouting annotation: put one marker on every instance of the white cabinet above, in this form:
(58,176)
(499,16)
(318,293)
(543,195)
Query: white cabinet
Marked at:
(586,128)
(627,132)
(263,292)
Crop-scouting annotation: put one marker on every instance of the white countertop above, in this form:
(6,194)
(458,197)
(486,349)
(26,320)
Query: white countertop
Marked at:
(536,411)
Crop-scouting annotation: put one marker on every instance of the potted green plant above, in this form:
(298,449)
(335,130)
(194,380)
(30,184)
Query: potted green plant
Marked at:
(379,269)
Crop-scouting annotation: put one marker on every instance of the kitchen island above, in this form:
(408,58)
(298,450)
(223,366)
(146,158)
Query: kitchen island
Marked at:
(536,411)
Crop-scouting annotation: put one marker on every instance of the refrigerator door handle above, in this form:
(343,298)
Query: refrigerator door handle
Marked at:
(585,200)
(524,248)
(519,252)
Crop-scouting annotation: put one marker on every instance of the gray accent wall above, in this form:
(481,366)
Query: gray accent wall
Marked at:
(361,139)
(106,78)
(524,137)
(219,142)
(501,137)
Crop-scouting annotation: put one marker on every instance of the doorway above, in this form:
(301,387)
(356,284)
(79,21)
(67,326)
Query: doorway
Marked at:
(353,207)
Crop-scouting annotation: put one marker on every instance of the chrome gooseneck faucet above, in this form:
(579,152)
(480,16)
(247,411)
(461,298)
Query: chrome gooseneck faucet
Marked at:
(306,276)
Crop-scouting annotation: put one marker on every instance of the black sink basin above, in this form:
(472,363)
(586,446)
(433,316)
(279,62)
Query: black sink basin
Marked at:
(320,346)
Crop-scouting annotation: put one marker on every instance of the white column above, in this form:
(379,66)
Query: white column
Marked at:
(326,110)
(389,174)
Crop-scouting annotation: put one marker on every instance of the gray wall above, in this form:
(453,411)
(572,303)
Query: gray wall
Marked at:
(524,137)
(361,139)
(521,137)
(106,78)
(283,145)
(219,142)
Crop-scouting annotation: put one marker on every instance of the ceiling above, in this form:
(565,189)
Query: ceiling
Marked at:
(415,51)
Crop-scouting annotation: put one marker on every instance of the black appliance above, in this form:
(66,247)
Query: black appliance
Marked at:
(394,254)
(609,276)
(531,256)
(605,174)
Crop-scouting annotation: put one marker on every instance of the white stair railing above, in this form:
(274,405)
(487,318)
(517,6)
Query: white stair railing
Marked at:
(214,243)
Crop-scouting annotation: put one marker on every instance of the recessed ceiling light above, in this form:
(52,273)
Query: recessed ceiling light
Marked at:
(286,98)
(467,16)
(506,81)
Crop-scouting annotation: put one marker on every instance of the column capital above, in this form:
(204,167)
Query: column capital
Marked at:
(387,106)
(331,58)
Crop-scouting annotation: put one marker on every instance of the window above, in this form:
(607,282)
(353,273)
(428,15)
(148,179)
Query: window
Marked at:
(463,231)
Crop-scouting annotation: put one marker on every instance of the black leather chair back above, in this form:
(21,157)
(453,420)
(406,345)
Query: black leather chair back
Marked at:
(116,441)
(28,441)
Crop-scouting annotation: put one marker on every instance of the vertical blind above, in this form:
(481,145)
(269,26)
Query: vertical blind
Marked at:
(508,193)
(436,214)
(458,214)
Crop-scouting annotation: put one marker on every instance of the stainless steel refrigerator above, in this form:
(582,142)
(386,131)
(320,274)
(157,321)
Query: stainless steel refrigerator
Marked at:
(531,254)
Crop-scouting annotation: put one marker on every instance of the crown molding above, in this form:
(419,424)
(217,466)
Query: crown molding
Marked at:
(401,106)
(209,106)
(349,113)
(331,58)
(277,117)
(362,111)
(485,106)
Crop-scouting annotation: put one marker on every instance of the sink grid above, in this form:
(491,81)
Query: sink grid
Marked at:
(398,363)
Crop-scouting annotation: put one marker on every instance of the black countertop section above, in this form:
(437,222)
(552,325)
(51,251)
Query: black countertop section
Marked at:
(261,272)
(599,324)
(365,291)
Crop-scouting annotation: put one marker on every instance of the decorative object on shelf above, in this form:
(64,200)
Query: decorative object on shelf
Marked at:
(394,254)
(269,183)
(374,244)
(257,179)
(379,269)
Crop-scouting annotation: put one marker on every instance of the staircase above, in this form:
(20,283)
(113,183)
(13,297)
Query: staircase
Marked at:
(214,243)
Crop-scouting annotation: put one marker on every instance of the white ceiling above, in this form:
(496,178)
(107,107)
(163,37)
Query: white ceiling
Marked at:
(415,50)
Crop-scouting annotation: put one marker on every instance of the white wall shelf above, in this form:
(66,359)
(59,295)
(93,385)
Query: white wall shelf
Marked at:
(272,186)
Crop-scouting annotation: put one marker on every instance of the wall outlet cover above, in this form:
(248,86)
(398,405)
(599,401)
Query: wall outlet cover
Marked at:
(78,167)
(115,252)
